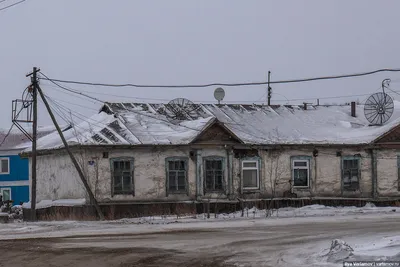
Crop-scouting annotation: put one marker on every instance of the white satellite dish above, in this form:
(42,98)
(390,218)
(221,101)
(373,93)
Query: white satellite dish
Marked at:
(219,94)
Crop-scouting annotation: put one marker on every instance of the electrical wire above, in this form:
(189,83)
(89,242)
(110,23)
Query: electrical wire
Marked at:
(222,84)
(114,95)
(82,117)
(6,7)
(75,91)
(75,104)
(71,90)
(62,115)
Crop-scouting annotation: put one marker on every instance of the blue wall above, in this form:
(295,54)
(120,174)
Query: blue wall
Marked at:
(18,193)
(19,169)
(18,178)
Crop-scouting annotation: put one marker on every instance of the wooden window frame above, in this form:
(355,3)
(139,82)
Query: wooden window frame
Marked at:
(132,189)
(223,170)
(183,191)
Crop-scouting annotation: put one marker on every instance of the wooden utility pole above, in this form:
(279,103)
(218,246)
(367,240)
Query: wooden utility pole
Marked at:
(269,89)
(33,88)
(73,159)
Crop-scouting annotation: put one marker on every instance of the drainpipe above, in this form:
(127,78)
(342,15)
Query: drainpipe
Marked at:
(199,167)
(315,176)
(374,174)
(229,157)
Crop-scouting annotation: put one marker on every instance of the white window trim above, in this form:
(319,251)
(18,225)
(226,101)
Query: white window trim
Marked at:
(252,168)
(8,162)
(3,189)
(302,168)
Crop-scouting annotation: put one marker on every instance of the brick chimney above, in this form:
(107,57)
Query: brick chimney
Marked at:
(353,109)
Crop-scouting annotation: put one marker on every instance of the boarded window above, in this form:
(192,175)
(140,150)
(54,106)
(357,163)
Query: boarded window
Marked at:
(4,166)
(250,174)
(351,174)
(301,173)
(176,175)
(122,171)
(213,174)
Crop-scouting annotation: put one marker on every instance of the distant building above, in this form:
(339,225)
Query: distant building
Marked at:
(14,170)
(133,153)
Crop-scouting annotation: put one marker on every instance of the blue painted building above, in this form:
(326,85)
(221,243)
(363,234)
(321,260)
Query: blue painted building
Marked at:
(14,177)
(14,170)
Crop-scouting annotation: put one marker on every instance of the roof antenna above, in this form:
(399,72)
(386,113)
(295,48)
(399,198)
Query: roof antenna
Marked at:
(219,94)
(379,107)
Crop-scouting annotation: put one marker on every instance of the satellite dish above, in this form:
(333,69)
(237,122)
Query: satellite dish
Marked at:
(379,107)
(180,109)
(219,94)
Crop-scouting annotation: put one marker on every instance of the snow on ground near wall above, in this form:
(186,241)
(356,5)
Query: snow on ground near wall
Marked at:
(306,211)
(283,215)
(56,203)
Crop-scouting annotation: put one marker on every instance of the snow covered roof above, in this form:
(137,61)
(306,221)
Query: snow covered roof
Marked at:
(148,124)
(17,140)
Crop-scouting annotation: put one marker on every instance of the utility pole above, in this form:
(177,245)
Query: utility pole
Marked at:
(73,159)
(269,89)
(33,88)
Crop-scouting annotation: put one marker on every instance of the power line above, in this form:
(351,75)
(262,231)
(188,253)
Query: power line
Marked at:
(70,90)
(107,94)
(206,101)
(11,5)
(75,104)
(222,84)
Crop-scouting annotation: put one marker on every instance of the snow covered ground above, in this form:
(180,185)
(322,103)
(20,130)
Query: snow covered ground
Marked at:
(309,236)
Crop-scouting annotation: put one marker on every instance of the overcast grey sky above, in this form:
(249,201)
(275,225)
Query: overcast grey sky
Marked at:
(202,41)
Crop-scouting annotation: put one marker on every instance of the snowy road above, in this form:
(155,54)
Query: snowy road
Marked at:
(259,242)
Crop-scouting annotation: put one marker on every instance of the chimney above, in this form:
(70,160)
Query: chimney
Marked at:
(353,109)
(305,106)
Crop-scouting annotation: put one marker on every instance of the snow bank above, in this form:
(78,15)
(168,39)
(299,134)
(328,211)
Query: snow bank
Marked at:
(60,202)
(252,213)
(361,249)
(339,251)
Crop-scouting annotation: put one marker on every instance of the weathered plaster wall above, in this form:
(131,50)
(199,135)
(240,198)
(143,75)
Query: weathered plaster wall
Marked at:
(149,174)
(325,173)
(58,179)
(387,173)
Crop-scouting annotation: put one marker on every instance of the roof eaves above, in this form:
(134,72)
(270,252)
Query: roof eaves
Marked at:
(381,136)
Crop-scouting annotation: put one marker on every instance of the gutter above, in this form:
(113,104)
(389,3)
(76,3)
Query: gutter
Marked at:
(374,174)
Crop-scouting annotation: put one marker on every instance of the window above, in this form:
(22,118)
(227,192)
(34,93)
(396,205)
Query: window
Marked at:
(250,174)
(122,174)
(176,175)
(6,193)
(351,174)
(301,172)
(4,166)
(214,174)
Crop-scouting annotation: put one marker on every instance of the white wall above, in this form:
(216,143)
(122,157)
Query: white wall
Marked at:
(58,179)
